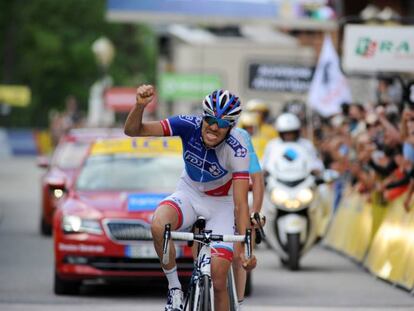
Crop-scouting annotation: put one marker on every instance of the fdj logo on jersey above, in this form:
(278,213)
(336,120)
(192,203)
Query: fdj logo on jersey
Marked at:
(368,47)
(212,168)
(239,150)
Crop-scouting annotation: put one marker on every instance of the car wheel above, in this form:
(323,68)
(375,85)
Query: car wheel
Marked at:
(45,228)
(66,287)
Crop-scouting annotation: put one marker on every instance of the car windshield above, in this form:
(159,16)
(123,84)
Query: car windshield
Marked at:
(123,172)
(70,155)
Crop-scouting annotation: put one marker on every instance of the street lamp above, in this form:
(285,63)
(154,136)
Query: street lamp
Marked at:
(98,114)
(104,52)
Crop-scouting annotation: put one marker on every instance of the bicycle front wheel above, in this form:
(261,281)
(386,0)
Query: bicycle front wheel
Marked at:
(205,294)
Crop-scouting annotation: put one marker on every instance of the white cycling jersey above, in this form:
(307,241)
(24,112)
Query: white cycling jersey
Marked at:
(210,170)
(205,187)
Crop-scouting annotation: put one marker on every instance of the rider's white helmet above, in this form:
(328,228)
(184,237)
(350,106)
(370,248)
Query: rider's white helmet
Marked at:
(287,122)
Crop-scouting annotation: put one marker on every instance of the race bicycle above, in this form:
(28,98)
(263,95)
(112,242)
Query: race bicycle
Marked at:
(200,293)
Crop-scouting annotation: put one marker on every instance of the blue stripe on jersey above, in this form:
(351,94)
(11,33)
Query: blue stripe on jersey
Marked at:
(254,165)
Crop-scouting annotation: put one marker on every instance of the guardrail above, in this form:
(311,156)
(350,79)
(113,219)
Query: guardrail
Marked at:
(17,142)
(378,236)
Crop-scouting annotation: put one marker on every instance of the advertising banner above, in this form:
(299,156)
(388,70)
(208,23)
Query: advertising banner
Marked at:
(378,48)
(279,77)
(15,95)
(183,86)
(181,10)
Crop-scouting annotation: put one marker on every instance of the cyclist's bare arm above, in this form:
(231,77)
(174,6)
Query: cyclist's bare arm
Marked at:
(240,190)
(258,190)
(134,125)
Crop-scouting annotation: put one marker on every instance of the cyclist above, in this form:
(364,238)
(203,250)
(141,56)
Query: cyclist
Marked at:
(257,187)
(261,108)
(249,121)
(214,183)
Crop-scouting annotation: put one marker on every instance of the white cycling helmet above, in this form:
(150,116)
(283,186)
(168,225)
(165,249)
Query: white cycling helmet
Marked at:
(223,105)
(287,122)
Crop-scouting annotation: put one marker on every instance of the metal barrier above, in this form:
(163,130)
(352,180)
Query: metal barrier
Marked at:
(16,142)
(380,236)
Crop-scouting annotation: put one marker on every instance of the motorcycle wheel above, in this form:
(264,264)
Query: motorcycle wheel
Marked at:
(293,249)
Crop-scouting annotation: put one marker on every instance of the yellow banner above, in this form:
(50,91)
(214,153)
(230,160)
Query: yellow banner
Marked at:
(391,254)
(15,95)
(350,230)
(144,146)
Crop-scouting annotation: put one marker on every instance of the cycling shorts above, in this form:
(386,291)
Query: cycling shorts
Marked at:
(218,212)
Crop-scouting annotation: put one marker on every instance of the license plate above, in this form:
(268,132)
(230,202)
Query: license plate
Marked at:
(140,251)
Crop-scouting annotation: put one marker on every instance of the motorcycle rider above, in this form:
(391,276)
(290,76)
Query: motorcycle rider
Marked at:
(288,126)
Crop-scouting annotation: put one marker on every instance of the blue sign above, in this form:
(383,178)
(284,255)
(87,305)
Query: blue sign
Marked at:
(145,201)
(220,8)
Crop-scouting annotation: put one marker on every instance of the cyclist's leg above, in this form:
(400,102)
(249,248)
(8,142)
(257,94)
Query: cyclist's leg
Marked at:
(240,274)
(177,211)
(219,271)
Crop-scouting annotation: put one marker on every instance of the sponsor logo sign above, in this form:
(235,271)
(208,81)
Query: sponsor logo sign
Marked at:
(144,202)
(182,86)
(279,77)
(378,48)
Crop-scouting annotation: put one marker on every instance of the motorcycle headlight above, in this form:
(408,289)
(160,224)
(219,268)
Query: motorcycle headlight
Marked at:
(292,204)
(305,196)
(279,196)
(76,224)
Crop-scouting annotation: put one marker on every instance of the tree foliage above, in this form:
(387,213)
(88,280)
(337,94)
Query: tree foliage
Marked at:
(46,45)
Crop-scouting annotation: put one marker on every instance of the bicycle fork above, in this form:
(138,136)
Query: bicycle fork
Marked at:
(204,267)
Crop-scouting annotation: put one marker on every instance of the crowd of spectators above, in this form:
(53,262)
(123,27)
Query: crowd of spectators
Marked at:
(372,146)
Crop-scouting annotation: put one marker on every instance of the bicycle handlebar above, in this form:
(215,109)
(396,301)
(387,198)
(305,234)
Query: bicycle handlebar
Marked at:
(204,236)
(188,236)
(260,234)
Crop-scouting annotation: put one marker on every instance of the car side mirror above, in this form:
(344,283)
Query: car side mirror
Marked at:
(43,161)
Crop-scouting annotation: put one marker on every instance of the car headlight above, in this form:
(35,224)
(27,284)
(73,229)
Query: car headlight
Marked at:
(279,196)
(305,196)
(58,193)
(76,224)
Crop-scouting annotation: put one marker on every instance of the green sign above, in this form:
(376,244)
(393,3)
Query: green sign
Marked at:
(15,95)
(181,86)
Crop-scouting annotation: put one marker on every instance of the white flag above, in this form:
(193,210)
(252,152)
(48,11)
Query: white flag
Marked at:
(329,87)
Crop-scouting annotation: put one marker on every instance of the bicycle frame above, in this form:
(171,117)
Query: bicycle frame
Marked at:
(202,272)
(202,268)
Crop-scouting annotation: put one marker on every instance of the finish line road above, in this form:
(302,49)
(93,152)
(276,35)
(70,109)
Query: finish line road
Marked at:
(327,282)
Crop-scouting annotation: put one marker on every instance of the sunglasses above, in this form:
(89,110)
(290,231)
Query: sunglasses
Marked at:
(220,122)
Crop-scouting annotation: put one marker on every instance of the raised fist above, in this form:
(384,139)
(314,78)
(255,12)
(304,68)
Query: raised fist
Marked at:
(145,94)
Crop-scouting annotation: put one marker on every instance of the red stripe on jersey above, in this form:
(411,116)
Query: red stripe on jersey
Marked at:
(220,191)
(241,175)
(166,127)
(223,252)
(177,209)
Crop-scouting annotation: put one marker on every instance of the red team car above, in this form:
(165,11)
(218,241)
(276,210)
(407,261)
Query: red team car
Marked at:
(101,229)
(65,161)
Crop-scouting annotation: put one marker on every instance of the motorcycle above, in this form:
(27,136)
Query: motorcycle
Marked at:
(292,204)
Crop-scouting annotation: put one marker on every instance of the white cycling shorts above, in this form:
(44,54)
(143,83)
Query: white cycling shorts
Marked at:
(217,210)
